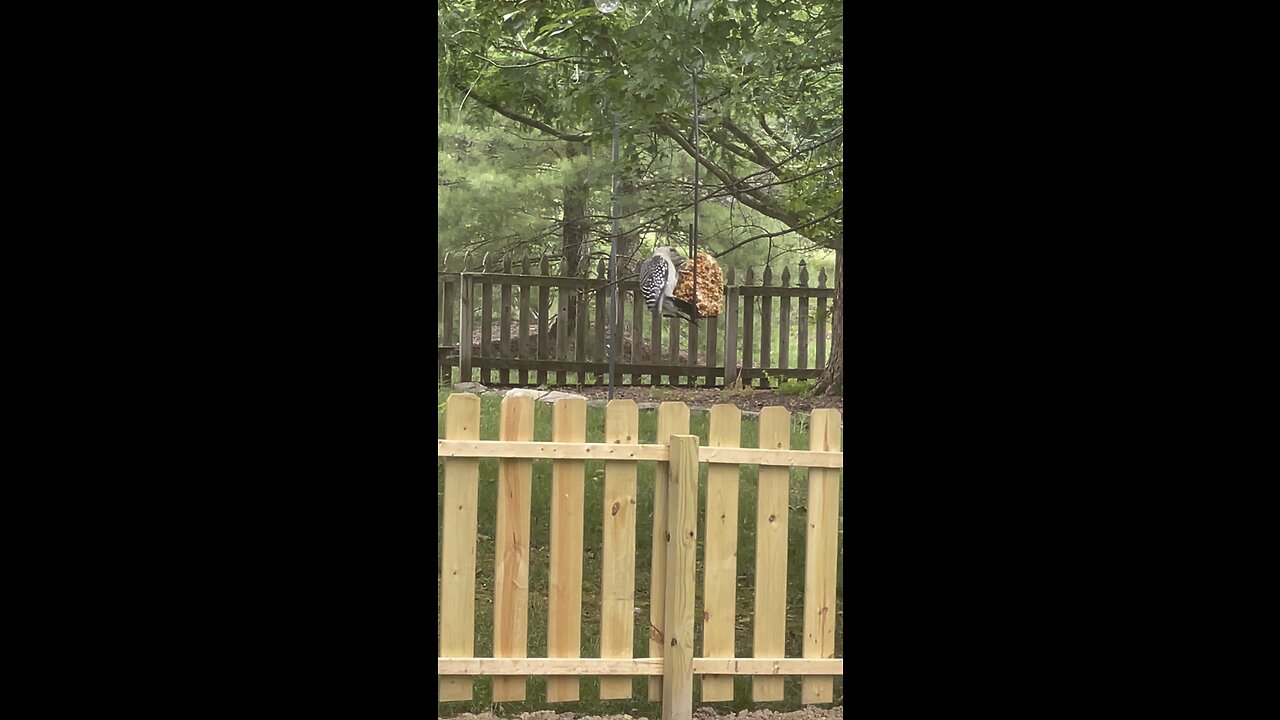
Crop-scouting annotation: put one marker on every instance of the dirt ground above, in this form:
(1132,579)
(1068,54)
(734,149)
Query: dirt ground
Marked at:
(752,400)
(703,713)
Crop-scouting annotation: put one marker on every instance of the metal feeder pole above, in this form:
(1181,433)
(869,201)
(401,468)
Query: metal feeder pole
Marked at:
(613,267)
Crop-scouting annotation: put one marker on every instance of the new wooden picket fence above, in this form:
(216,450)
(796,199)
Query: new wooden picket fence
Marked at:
(671,664)
(496,302)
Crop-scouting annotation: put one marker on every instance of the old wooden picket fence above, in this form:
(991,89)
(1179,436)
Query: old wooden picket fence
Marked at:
(508,324)
(671,664)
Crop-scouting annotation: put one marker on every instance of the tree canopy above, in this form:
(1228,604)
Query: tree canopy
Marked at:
(531,91)
(770,87)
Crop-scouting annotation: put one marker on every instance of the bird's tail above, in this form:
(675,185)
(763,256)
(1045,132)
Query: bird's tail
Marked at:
(677,307)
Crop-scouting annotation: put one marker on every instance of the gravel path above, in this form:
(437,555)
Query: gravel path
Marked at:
(703,713)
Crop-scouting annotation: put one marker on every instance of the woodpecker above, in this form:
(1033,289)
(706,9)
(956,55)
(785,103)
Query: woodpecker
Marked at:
(658,277)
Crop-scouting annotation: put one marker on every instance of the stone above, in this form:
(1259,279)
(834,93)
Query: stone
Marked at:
(470,387)
(554,395)
(546,396)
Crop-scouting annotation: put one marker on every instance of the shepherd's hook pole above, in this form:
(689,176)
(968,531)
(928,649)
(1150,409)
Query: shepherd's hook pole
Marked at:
(613,267)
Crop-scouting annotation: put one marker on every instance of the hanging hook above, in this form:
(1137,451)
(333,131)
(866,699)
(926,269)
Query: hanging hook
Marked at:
(702,62)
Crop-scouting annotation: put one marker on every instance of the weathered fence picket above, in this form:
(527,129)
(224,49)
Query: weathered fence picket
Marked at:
(486,319)
(599,300)
(784,331)
(748,320)
(544,309)
(522,332)
(504,322)
(751,340)
(803,355)
(822,317)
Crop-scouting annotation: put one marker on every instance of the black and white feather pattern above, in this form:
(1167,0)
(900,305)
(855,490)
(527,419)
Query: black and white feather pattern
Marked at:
(657,278)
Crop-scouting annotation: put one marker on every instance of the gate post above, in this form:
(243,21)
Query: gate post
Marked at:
(682,548)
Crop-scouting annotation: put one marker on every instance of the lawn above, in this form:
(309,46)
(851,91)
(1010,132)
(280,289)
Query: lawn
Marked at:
(540,554)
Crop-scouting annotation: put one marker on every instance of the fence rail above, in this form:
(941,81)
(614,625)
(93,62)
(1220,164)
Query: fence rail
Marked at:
(508,323)
(672,622)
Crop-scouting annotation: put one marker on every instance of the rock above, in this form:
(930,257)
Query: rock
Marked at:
(597,403)
(547,396)
(647,405)
(470,387)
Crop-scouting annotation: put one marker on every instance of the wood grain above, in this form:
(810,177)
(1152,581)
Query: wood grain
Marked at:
(564,612)
(769,631)
(673,419)
(682,550)
(618,570)
(720,552)
(511,563)
(458,544)
(821,549)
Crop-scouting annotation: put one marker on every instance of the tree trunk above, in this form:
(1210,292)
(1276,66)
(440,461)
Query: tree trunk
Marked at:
(576,234)
(831,381)
(576,225)
(628,204)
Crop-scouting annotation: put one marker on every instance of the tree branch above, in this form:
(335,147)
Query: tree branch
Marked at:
(764,125)
(762,157)
(735,246)
(748,198)
(524,120)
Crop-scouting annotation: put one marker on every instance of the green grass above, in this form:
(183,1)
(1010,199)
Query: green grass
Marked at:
(539,563)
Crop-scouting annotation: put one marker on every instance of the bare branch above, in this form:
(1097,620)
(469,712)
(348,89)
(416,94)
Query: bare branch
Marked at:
(525,120)
(749,198)
(780,232)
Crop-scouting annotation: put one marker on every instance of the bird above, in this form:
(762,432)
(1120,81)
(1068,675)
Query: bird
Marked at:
(658,277)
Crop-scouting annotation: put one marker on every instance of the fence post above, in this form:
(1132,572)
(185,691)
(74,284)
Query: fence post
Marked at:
(673,419)
(682,546)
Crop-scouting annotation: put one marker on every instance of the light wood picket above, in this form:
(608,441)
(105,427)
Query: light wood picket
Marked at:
(719,595)
(618,570)
(820,556)
(564,616)
(511,563)
(770,621)
(458,551)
